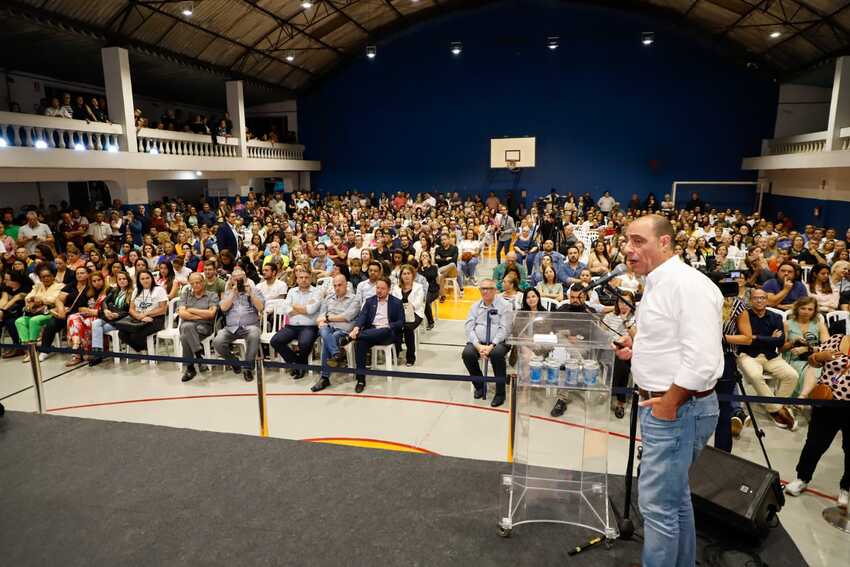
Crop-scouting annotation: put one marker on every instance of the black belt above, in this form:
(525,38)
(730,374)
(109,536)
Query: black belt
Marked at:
(646,394)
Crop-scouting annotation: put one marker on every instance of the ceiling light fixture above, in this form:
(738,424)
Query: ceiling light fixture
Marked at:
(457,48)
(153,151)
(3,143)
(188,9)
(112,148)
(553,42)
(290,58)
(774,35)
(40,145)
(79,147)
(199,173)
(647,38)
(306,4)
(371,51)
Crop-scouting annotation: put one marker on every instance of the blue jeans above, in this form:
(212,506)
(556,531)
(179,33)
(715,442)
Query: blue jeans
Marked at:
(330,345)
(99,328)
(466,269)
(664,497)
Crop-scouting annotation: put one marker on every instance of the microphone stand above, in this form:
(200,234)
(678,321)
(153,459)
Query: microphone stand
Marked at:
(627,527)
(487,359)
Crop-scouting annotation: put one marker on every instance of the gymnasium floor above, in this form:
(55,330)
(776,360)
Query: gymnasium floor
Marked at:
(428,416)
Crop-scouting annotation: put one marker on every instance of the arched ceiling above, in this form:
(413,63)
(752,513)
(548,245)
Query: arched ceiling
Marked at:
(251,39)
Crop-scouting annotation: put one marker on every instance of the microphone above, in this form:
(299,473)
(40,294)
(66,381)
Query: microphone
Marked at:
(615,273)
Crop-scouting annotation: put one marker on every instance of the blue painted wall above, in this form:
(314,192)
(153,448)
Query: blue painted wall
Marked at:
(834,214)
(602,106)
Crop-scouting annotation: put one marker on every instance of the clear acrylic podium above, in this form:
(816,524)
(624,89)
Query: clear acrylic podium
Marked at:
(560,466)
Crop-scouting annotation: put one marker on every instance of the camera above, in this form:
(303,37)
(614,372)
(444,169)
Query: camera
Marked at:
(728,284)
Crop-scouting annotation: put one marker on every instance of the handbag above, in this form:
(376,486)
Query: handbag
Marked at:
(128,325)
(409,313)
(821,392)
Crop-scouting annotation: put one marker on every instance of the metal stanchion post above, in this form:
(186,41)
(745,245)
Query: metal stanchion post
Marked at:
(512,417)
(35,363)
(261,397)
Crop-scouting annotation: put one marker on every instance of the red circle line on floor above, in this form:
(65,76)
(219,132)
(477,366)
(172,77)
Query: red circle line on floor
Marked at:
(369,396)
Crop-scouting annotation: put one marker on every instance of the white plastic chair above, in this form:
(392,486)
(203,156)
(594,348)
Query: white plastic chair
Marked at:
(390,360)
(548,303)
(453,283)
(170,331)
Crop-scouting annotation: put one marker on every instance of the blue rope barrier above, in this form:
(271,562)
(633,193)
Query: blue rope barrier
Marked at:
(390,373)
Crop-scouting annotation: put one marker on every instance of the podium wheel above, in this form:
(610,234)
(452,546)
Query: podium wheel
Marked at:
(504,532)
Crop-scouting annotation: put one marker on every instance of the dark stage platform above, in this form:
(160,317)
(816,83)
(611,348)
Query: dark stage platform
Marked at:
(89,493)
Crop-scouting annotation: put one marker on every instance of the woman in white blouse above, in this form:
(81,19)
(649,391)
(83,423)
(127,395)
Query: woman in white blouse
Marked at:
(412,296)
(149,304)
(469,251)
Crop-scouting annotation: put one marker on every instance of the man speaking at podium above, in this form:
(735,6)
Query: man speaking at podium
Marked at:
(677,357)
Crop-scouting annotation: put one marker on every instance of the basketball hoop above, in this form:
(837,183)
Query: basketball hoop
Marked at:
(512,166)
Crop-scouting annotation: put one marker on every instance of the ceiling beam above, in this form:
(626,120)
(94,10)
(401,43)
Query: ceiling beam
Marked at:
(236,42)
(826,17)
(803,30)
(288,24)
(741,18)
(398,14)
(690,9)
(110,38)
(342,13)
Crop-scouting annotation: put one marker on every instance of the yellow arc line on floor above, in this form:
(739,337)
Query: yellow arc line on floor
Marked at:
(372,444)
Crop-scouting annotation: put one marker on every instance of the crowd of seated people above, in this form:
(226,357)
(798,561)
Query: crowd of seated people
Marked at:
(768,260)
(116,274)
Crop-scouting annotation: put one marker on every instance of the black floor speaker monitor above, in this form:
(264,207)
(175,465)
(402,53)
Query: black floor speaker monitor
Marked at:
(734,492)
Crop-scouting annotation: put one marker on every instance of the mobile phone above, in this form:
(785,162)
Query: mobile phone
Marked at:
(734,275)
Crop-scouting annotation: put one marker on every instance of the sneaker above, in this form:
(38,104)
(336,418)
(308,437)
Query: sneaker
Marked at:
(795,487)
(739,421)
(784,420)
(843,499)
(43,356)
(559,408)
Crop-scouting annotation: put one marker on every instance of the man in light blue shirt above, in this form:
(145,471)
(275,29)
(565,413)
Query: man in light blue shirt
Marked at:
(242,304)
(336,318)
(302,303)
(493,314)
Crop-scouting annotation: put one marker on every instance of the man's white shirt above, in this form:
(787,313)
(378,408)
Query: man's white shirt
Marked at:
(679,330)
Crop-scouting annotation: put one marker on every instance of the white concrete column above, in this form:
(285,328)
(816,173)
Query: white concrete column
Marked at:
(119,94)
(236,109)
(131,191)
(839,105)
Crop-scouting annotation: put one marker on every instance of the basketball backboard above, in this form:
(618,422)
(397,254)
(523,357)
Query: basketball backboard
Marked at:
(512,153)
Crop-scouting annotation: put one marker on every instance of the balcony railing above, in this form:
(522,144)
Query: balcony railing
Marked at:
(166,142)
(34,131)
(804,143)
(271,150)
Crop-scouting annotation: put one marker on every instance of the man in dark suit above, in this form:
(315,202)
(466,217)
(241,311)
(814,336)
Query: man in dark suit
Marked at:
(226,237)
(381,318)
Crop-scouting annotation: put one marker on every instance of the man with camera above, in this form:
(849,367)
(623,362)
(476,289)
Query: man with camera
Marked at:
(242,304)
